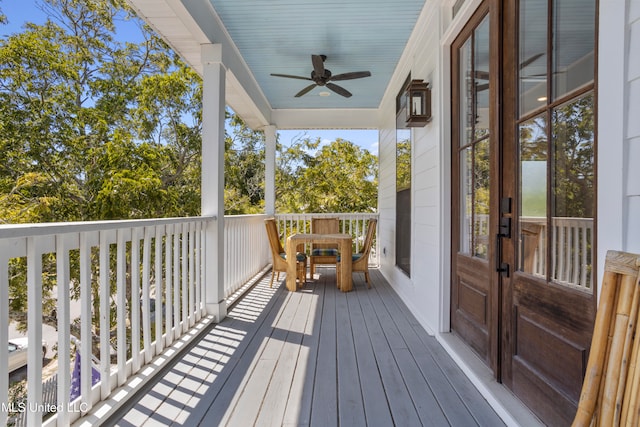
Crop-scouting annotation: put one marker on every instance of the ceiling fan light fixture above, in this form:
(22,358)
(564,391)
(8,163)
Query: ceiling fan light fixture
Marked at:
(320,76)
(324,93)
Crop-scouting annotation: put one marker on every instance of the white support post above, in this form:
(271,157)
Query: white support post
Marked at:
(270,170)
(213,111)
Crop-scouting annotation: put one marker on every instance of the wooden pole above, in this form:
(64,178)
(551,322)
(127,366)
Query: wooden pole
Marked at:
(615,364)
(593,374)
(630,403)
(621,395)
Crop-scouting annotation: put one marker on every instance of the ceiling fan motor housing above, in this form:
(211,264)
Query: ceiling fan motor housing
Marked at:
(321,80)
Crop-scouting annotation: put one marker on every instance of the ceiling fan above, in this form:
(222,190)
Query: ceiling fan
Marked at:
(320,76)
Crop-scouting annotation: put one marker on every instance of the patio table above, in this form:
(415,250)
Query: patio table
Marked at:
(344,242)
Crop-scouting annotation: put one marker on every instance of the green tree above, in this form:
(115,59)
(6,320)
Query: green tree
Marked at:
(244,168)
(337,177)
(86,120)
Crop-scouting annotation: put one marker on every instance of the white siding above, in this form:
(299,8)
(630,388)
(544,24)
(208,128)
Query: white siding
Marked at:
(633,128)
(618,128)
(421,292)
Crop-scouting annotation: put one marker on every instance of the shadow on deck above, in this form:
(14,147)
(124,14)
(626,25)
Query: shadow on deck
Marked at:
(313,357)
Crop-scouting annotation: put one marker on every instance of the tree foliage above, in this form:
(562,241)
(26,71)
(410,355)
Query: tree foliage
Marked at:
(91,127)
(244,168)
(336,177)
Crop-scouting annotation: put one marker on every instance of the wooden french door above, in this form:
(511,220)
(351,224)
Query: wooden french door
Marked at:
(523,237)
(474,180)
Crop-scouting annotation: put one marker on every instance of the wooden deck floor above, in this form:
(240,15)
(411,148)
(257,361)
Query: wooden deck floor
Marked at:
(316,357)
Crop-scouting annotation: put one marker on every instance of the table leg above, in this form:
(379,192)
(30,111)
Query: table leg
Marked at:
(346,281)
(291,265)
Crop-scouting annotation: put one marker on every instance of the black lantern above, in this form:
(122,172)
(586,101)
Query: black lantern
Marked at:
(418,103)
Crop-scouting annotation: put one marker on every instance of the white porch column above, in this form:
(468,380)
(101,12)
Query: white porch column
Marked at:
(270,170)
(212,191)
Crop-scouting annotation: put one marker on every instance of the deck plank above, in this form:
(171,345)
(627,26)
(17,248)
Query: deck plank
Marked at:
(278,391)
(245,407)
(350,404)
(402,410)
(315,357)
(374,399)
(324,408)
(298,411)
(442,376)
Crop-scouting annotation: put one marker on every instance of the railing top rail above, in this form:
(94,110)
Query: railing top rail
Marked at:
(12,231)
(555,218)
(327,214)
(245,216)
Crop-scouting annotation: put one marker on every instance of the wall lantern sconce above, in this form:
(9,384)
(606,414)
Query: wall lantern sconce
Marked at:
(418,102)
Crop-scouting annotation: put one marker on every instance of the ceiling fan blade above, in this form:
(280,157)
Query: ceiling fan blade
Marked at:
(339,90)
(352,75)
(305,90)
(318,64)
(289,76)
(529,60)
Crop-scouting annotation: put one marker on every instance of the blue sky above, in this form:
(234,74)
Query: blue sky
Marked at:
(20,11)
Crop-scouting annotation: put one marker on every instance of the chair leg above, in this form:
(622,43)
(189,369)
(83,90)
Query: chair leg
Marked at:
(273,274)
(301,273)
(366,279)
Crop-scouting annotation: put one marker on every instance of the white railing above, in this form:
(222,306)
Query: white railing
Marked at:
(352,223)
(572,242)
(123,278)
(246,249)
(132,276)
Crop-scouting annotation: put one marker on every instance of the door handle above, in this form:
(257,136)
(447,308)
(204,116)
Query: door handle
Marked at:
(501,267)
(504,229)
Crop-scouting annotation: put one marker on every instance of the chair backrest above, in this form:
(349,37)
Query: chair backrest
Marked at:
(274,237)
(325,226)
(368,240)
(611,388)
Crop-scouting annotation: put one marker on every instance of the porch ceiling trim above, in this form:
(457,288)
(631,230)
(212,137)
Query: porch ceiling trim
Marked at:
(353,118)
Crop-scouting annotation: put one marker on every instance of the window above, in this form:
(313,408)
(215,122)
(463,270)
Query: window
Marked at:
(557,140)
(475,141)
(403,184)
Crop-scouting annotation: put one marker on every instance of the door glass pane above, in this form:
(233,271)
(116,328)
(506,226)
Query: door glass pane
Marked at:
(481,199)
(481,84)
(467,114)
(466,200)
(533,195)
(573,195)
(481,67)
(573,45)
(533,55)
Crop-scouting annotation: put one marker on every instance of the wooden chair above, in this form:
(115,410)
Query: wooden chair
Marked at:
(611,389)
(360,260)
(323,253)
(280,257)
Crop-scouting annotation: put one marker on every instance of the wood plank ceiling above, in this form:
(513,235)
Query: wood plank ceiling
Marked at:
(279,36)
